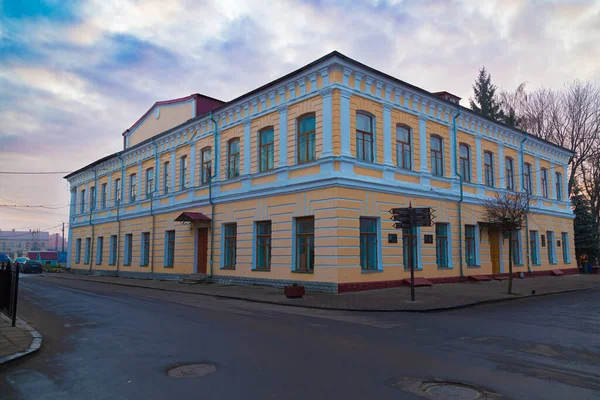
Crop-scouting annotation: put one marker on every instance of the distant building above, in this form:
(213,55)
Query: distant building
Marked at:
(19,243)
(55,242)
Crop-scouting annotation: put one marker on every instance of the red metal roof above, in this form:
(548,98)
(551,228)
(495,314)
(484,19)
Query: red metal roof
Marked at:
(48,255)
(32,255)
(192,216)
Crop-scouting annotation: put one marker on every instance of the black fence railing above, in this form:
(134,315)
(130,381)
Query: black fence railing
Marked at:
(9,289)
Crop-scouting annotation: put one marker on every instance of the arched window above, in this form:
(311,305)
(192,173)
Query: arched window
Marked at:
(437,156)
(527,178)
(233,158)
(306,138)
(206,161)
(364,137)
(558,184)
(488,167)
(403,149)
(544,181)
(465,162)
(266,149)
(509,173)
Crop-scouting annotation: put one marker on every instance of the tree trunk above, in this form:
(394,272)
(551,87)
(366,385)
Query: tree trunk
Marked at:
(510,262)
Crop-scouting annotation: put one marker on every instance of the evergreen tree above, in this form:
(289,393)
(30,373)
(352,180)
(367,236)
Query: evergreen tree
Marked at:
(585,228)
(485,101)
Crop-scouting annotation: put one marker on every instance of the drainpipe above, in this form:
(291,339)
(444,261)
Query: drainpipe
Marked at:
(526,214)
(92,207)
(211,176)
(154,189)
(118,204)
(460,200)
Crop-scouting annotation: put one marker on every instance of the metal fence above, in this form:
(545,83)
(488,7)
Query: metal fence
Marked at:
(9,290)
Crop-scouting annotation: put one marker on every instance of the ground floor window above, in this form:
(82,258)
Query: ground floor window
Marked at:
(470,245)
(441,245)
(88,245)
(263,245)
(230,246)
(128,249)
(368,243)
(533,247)
(99,249)
(145,253)
(78,251)
(565,247)
(169,249)
(305,244)
(112,260)
(551,254)
(409,248)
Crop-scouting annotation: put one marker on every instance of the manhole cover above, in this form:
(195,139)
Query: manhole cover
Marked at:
(450,391)
(191,370)
(440,389)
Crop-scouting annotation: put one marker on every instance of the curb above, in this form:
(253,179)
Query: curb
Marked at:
(36,342)
(427,310)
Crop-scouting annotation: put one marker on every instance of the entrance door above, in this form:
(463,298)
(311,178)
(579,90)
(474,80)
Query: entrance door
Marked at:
(202,250)
(495,250)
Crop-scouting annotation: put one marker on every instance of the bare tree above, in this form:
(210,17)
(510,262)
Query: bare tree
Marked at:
(508,211)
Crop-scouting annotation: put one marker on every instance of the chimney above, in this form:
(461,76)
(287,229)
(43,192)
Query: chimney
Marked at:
(448,96)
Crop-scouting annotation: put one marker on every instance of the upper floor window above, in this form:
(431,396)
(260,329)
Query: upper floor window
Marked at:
(92,197)
(117,191)
(266,149)
(558,184)
(206,165)
(403,149)
(82,201)
(183,172)
(437,156)
(166,176)
(306,138)
(364,137)
(544,181)
(132,187)
(465,162)
(149,182)
(527,178)
(509,173)
(233,158)
(103,196)
(488,166)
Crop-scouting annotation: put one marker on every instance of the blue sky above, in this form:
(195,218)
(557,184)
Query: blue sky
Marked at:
(75,74)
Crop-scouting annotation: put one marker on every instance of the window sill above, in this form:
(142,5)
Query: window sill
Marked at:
(295,271)
(370,271)
(228,268)
(416,269)
(168,266)
(473,266)
(143,265)
(261,269)
(127,265)
(444,268)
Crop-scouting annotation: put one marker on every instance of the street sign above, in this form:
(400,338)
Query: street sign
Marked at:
(402,225)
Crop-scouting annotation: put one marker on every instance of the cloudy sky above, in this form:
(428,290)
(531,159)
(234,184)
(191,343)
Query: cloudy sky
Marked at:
(74,74)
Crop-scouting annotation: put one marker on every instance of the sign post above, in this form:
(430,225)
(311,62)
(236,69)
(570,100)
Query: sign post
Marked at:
(409,218)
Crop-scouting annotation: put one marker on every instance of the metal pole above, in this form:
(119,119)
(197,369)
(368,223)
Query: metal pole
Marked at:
(410,254)
(63,238)
(15,294)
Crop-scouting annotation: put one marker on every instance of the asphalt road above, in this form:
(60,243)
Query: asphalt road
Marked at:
(112,342)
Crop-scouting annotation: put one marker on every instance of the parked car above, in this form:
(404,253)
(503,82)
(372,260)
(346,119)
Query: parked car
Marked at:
(4,259)
(32,267)
(21,260)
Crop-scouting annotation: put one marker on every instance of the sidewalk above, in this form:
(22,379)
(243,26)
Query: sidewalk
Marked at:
(436,298)
(17,341)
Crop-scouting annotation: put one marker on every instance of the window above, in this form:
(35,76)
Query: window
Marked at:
(145,254)
(99,249)
(465,162)
(230,245)
(409,241)
(112,259)
(488,166)
(305,244)
(88,249)
(441,245)
(266,149)
(263,245)
(306,138)
(166,176)
(368,243)
(565,247)
(527,178)
(128,249)
(206,165)
(170,249)
(92,198)
(509,173)
(558,178)
(103,196)
(117,192)
(233,158)
(544,182)
(364,137)
(516,248)
(437,158)
(551,254)
(82,201)
(470,245)
(132,187)
(403,150)
(533,247)
(77,250)
(183,172)
(149,182)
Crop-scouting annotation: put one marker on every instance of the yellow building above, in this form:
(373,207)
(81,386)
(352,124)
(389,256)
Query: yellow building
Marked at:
(293,182)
